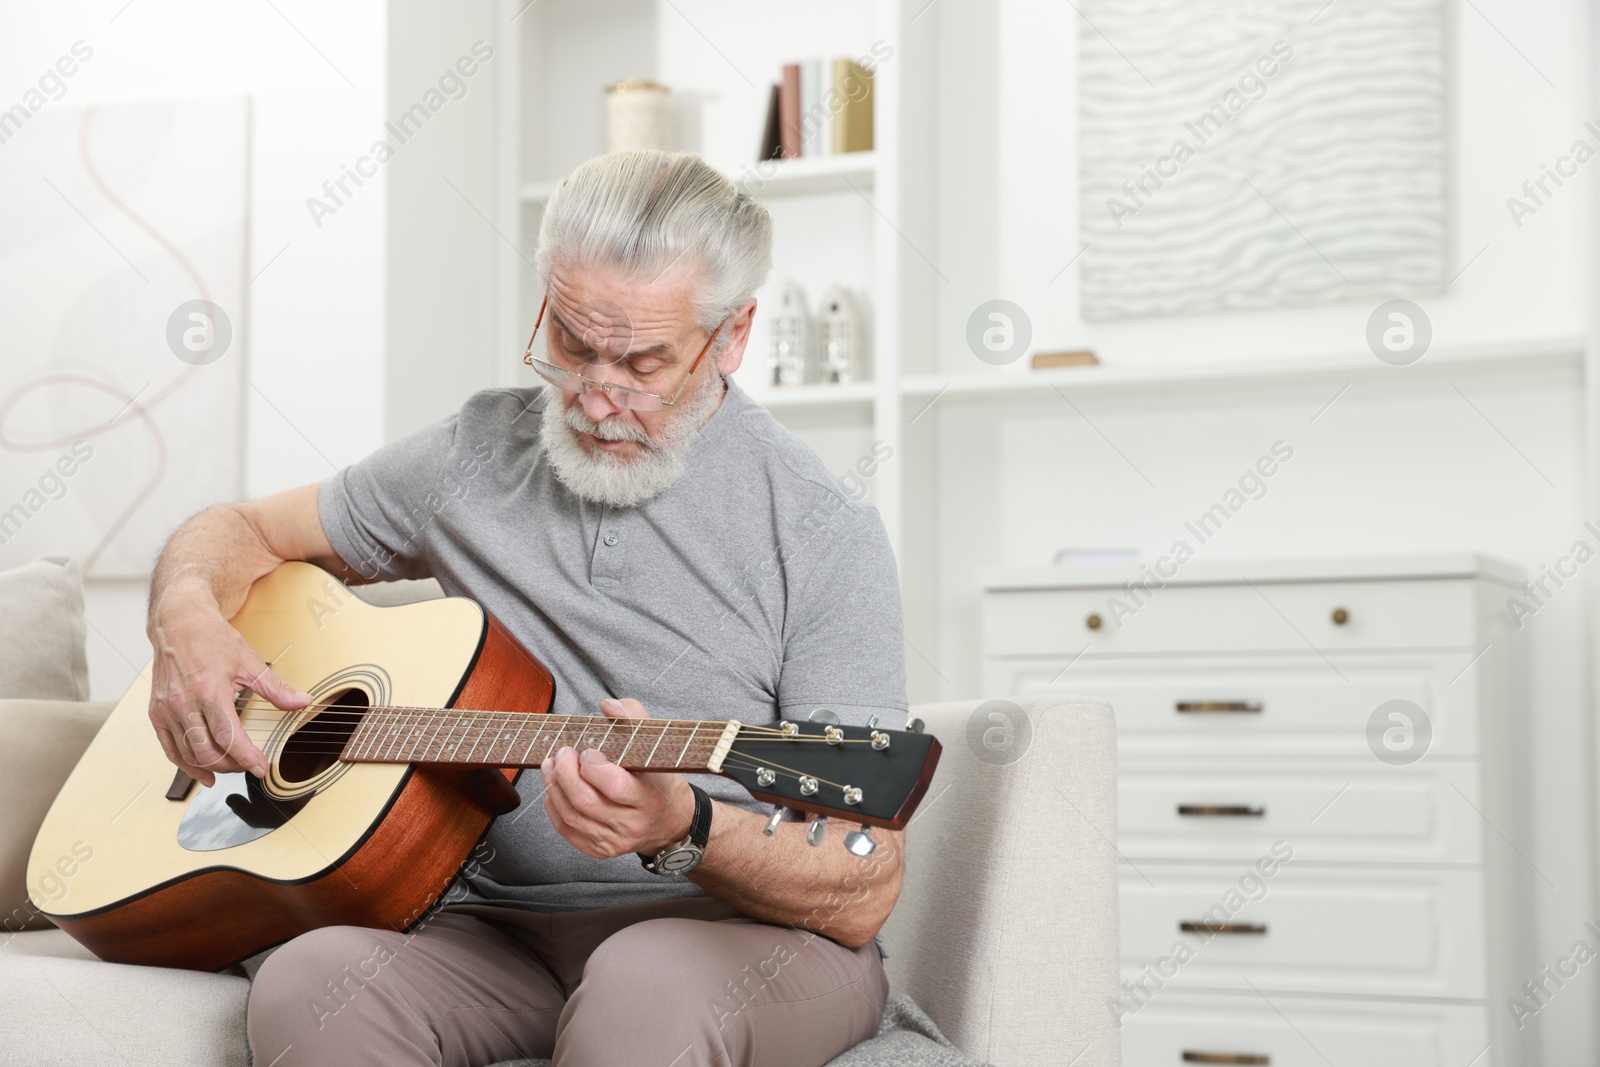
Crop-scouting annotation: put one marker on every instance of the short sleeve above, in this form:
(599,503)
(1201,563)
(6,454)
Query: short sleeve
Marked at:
(843,647)
(377,512)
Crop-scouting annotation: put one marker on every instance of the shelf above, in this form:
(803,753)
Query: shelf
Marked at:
(856,394)
(1552,352)
(799,177)
(789,177)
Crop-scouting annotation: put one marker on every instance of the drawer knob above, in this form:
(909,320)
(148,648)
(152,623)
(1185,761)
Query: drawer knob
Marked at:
(1340,616)
(1093,621)
(1258,1058)
(1249,811)
(1204,927)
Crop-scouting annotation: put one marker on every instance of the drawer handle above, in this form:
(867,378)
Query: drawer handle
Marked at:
(1340,616)
(1209,811)
(1093,621)
(1190,1056)
(1203,927)
(1219,707)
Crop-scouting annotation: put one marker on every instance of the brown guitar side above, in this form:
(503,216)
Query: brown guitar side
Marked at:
(388,881)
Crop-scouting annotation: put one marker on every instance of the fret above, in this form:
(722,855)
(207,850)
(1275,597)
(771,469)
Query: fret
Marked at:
(403,748)
(631,740)
(358,738)
(544,720)
(371,730)
(394,717)
(686,745)
(440,738)
(578,744)
(651,759)
(511,742)
(412,731)
(479,732)
(607,738)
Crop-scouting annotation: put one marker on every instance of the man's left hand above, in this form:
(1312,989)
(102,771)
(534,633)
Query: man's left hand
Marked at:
(604,811)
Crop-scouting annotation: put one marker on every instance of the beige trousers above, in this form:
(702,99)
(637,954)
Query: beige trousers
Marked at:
(673,984)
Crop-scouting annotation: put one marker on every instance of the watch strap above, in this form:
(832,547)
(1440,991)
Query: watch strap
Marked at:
(699,830)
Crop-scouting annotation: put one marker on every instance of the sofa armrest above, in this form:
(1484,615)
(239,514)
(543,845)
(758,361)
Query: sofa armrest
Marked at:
(40,743)
(1006,931)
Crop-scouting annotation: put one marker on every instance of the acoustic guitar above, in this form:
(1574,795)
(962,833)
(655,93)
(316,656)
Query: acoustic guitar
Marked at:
(421,717)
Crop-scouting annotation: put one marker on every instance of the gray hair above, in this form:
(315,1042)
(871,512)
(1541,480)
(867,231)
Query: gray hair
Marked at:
(644,211)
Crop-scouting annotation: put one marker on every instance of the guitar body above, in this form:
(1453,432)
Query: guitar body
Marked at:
(221,873)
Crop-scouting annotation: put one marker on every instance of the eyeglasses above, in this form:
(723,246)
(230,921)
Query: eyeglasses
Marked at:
(624,396)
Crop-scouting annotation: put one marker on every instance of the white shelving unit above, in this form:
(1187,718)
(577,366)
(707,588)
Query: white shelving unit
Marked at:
(853,219)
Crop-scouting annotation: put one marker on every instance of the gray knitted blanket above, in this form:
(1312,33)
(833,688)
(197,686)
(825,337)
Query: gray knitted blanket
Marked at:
(906,1038)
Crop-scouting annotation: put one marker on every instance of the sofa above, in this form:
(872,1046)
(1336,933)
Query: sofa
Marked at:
(1005,934)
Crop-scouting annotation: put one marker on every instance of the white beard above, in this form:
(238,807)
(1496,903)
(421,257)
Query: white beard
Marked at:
(605,478)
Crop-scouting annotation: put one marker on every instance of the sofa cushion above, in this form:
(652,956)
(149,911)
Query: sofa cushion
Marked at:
(62,1012)
(42,631)
(40,742)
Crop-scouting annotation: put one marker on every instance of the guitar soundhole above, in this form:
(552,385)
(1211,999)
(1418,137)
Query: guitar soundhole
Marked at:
(315,747)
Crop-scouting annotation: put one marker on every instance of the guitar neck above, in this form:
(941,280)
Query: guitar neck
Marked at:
(514,739)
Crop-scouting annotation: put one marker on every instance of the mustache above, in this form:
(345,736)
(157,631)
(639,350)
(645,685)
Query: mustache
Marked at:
(608,430)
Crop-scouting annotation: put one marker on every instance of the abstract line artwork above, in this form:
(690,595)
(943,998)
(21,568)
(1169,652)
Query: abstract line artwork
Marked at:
(120,221)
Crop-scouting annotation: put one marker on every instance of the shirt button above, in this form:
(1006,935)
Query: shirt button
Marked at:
(611,539)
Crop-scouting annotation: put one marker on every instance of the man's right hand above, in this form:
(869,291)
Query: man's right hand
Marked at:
(200,663)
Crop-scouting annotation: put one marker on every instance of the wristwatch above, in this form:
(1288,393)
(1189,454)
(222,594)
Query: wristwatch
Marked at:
(677,860)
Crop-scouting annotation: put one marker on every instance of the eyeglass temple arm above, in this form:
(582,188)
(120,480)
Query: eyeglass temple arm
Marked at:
(536,324)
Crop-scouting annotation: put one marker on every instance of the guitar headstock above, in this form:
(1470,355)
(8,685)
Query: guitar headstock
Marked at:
(862,774)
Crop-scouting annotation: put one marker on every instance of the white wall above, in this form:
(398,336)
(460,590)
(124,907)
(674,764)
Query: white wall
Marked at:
(1398,463)
(314,336)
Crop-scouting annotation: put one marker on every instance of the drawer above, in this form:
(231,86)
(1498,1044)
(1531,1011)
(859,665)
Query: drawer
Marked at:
(1306,929)
(1224,707)
(1307,1033)
(1362,811)
(1301,617)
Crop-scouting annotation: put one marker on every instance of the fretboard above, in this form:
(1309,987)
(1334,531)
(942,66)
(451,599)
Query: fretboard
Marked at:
(512,739)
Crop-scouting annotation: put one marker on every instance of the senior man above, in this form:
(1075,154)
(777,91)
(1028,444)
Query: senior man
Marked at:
(666,549)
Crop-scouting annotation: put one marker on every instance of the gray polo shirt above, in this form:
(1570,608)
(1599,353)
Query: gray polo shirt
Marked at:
(755,587)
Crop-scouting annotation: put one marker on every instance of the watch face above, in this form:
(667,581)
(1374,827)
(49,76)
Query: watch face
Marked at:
(679,861)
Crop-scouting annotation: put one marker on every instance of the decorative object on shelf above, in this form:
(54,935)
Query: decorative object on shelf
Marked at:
(840,337)
(790,355)
(639,117)
(1321,155)
(1081,357)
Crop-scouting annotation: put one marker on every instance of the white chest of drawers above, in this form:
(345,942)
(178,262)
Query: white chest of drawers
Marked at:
(1311,872)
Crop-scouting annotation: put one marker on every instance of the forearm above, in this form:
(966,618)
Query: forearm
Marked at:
(218,554)
(782,879)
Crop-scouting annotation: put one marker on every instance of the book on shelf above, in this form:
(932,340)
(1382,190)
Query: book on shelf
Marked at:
(772,134)
(852,124)
(789,110)
(824,108)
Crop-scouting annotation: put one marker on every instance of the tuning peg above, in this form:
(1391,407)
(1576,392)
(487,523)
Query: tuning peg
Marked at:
(772,823)
(824,715)
(873,721)
(914,726)
(860,842)
(817,831)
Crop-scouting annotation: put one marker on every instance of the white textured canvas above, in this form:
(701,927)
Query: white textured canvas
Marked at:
(1258,154)
(120,410)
